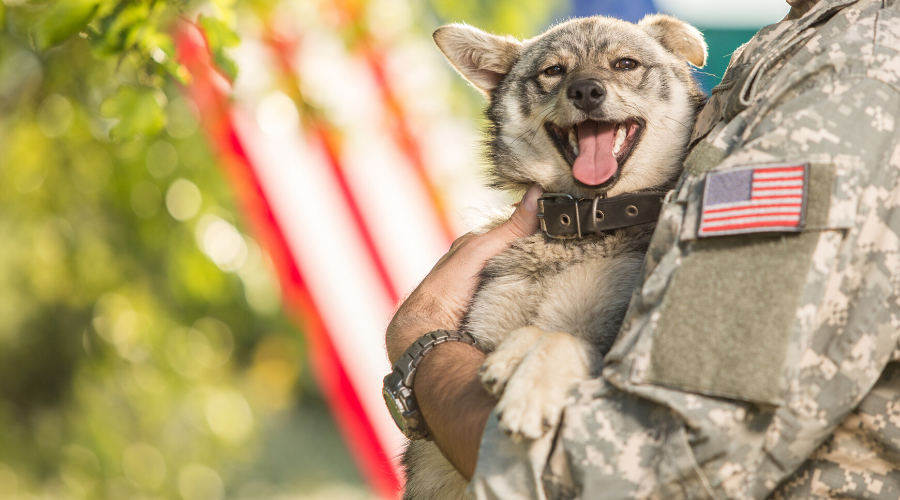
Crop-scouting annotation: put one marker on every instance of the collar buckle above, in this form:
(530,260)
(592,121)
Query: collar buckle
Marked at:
(563,217)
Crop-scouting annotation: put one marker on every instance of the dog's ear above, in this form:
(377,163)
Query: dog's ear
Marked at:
(677,37)
(481,58)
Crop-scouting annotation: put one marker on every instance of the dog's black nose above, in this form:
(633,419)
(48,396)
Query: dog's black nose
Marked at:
(586,95)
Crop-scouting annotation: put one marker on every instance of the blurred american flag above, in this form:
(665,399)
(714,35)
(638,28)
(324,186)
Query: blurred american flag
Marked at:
(349,166)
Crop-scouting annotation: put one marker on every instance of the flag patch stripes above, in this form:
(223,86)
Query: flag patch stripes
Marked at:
(754,199)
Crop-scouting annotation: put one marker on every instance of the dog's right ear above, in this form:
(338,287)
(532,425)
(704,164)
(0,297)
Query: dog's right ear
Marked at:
(481,58)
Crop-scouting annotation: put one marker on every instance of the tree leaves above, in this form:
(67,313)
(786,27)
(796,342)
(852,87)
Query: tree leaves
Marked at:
(136,34)
(120,30)
(219,37)
(62,20)
(138,110)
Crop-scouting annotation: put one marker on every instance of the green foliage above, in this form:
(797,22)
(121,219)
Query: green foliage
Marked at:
(138,110)
(133,35)
(132,364)
(521,18)
(220,36)
(62,20)
(118,31)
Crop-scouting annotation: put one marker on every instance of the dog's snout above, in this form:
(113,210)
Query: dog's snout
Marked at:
(586,95)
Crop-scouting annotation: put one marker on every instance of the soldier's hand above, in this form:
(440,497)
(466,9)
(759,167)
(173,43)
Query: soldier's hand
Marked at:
(453,402)
(440,301)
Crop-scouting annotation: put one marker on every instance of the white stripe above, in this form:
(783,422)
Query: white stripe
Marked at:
(751,220)
(772,175)
(778,183)
(755,203)
(777,192)
(378,176)
(346,290)
(741,212)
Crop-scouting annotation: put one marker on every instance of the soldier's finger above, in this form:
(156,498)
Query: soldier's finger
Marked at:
(523,222)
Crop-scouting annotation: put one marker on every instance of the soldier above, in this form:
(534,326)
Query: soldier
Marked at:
(759,357)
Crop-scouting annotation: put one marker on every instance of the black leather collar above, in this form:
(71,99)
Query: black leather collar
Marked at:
(564,217)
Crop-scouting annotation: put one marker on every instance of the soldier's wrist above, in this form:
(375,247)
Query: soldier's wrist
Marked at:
(455,356)
(399,337)
(398,388)
(454,404)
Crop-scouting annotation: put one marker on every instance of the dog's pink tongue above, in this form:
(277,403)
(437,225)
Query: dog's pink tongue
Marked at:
(595,163)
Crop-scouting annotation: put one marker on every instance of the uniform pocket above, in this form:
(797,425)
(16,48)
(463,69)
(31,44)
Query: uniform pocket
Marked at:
(733,311)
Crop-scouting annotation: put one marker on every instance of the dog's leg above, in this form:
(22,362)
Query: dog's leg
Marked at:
(536,393)
(429,476)
(502,362)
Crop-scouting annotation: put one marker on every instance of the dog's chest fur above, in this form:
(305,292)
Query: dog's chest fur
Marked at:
(581,287)
(577,286)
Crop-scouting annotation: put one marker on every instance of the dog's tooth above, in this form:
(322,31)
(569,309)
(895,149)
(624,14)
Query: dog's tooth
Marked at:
(573,141)
(620,139)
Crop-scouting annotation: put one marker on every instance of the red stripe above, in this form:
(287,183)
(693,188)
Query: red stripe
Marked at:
(352,19)
(774,205)
(774,188)
(738,217)
(402,131)
(785,170)
(771,224)
(793,178)
(372,459)
(799,197)
(760,180)
(324,136)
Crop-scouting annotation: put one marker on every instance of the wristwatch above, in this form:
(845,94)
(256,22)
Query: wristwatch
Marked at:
(398,384)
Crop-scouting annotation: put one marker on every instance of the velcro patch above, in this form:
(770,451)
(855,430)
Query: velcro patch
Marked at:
(755,199)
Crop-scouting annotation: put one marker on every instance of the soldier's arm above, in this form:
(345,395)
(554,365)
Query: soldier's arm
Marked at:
(452,400)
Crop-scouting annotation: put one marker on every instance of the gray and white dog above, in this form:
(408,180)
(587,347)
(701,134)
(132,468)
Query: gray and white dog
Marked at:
(592,107)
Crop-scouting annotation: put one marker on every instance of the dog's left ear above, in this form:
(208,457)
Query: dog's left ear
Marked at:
(677,37)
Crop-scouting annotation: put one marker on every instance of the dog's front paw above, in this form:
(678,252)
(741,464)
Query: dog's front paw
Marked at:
(536,394)
(496,371)
(532,406)
(500,365)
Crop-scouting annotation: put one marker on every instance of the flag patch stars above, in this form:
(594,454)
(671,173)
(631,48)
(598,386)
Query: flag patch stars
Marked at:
(754,199)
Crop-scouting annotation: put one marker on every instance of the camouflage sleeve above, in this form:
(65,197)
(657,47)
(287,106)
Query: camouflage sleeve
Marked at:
(639,439)
(671,422)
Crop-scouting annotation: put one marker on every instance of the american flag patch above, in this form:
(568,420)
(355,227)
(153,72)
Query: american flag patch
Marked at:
(754,199)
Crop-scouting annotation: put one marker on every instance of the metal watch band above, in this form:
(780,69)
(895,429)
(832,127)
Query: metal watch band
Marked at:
(421,347)
(398,384)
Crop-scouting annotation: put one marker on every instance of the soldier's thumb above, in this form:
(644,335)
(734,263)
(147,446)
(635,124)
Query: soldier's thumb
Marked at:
(523,221)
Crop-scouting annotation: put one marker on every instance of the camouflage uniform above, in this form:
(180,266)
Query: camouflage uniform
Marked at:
(756,365)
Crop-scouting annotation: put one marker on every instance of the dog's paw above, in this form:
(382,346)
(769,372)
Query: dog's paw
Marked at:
(500,365)
(536,394)
(530,407)
(496,372)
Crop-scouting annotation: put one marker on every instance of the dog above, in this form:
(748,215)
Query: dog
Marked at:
(594,108)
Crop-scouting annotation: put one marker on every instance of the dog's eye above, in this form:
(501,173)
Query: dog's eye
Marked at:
(626,63)
(554,70)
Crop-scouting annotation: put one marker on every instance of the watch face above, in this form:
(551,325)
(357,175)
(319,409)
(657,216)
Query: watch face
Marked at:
(394,407)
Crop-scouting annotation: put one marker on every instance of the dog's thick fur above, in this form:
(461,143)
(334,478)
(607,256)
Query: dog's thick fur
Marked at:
(548,310)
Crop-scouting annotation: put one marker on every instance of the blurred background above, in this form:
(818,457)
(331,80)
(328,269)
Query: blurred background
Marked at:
(208,211)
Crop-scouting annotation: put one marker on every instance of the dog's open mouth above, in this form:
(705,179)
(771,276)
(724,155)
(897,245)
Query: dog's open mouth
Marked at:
(594,149)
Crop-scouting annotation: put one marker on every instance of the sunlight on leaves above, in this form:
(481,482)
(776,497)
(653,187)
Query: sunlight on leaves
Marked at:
(138,112)
(220,37)
(62,20)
